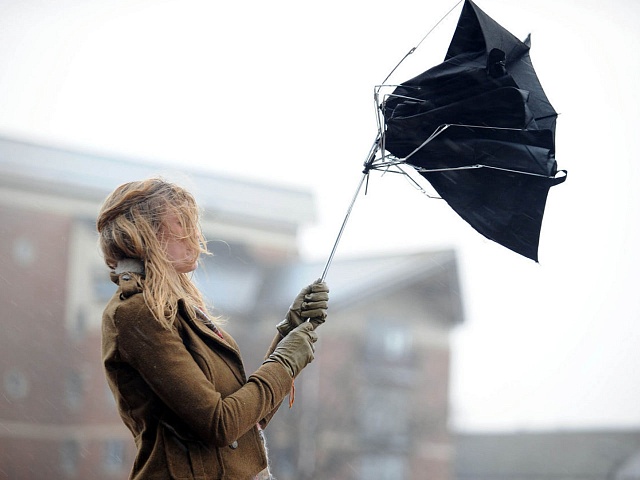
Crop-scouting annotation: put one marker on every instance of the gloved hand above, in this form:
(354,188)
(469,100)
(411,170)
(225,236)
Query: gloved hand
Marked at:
(295,351)
(312,302)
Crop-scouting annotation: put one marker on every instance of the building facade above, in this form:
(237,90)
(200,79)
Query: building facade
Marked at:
(374,404)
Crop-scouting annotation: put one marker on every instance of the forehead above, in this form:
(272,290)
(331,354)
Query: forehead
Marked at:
(180,215)
(171,217)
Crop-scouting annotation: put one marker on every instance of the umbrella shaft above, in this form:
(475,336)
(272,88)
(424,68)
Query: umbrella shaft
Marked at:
(344,224)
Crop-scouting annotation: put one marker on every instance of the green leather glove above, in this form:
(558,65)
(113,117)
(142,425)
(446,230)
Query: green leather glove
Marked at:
(295,351)
(311,303)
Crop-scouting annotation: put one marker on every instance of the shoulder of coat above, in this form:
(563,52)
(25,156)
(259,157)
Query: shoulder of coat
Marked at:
(130,284)
(128,302)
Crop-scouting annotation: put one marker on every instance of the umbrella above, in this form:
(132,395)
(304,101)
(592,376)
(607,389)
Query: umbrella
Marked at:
(480,129)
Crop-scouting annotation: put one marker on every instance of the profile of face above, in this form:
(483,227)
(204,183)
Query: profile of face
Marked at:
(176,242)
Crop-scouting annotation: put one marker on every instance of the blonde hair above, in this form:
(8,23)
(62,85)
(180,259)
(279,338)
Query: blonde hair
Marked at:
(128,224)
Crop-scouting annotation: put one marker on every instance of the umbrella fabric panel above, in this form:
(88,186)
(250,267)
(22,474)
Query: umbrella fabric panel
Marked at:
(504,207)
(530,152)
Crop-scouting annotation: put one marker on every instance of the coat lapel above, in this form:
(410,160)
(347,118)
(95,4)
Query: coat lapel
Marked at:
(225,346)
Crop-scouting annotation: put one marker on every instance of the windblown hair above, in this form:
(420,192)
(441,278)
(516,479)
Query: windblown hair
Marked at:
(129,223)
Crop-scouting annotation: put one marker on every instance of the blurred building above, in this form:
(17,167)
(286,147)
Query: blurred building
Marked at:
(604,454)
(374,404)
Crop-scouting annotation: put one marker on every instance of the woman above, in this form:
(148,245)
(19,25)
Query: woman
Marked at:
(177,377)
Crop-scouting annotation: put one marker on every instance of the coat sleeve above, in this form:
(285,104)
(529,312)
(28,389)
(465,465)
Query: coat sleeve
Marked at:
(274,343)
(164,363)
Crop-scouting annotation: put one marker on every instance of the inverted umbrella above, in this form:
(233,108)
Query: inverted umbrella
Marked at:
(480,129)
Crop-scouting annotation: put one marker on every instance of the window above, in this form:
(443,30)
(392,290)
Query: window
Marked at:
(69,455)
(396,343)
(383,467)
(385,417)
(16,384)
(113,457)
(74,390)
(24,251)
(390,356)
(389,342)
(89,286)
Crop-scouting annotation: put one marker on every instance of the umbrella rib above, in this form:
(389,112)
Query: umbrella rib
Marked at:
(413,49)
(476,166)
(416,185)
(435,133)
(488,127)
(394,95)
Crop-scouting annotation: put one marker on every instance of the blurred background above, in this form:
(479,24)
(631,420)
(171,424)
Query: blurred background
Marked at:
(265,110)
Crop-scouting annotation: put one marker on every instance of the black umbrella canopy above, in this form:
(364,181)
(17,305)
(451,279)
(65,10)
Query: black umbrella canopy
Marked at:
(481,130)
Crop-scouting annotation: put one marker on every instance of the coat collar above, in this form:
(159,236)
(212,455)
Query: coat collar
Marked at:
(226,342)
(129,265)
(203,330)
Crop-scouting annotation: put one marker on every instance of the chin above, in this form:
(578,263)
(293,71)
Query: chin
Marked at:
(186,268)
(192,267)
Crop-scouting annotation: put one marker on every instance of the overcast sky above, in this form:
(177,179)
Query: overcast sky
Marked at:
(282,92)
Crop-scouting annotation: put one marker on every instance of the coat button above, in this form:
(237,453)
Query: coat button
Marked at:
(234,445)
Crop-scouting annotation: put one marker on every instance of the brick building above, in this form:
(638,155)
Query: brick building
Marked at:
(374,404)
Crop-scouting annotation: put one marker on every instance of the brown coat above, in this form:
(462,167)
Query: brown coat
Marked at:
(184,394)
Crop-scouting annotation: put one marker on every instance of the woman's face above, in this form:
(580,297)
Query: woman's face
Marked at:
(174,239)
